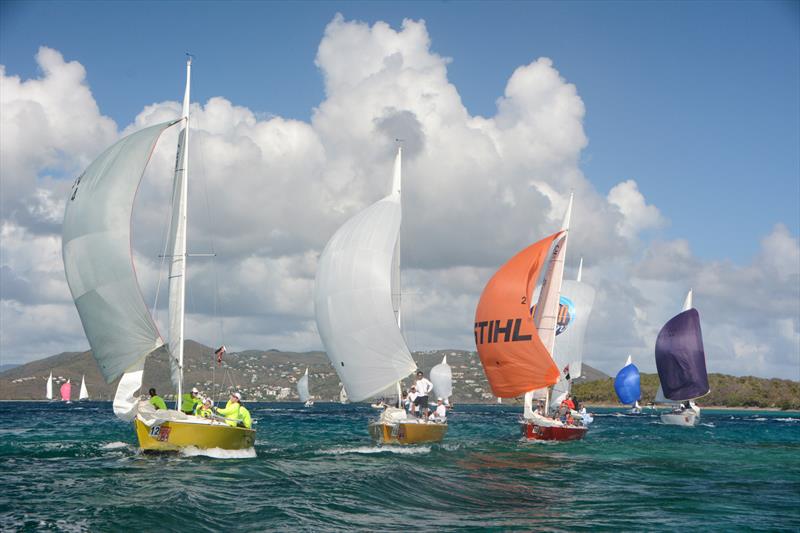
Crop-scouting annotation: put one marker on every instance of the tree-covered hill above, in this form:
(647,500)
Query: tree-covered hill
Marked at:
(731,391)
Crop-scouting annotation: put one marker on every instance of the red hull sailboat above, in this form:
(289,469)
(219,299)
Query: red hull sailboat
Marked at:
(515,347)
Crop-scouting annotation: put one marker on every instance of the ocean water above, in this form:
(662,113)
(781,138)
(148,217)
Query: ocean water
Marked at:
(76,468)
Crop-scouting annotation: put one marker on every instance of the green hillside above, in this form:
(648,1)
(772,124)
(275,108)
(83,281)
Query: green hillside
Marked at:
(730,391)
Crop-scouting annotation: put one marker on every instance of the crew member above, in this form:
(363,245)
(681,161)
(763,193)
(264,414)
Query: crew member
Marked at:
(156,400)
(424,388)
(440,413)
(190,401)
(236,413)
(206,409)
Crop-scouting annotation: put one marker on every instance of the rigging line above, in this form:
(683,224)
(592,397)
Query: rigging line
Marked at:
(216,303)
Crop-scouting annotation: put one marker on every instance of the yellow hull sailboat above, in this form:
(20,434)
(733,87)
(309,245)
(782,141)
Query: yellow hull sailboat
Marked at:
(96,247)
(357,309)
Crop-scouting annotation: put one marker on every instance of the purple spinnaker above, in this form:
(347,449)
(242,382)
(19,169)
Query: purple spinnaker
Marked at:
(680,358)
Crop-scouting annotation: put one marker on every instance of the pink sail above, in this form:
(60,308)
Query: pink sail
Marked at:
(66,390)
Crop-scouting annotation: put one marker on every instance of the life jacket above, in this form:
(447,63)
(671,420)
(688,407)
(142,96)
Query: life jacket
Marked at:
(204,413)
(189,402)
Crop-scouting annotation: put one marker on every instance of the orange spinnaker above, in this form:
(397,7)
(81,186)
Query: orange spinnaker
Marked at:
(513,356)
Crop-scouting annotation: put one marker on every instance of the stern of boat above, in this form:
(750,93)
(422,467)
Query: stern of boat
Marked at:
(407,432)
(173,435)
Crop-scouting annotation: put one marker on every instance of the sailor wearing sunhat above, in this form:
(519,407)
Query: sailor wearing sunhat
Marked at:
(191,401)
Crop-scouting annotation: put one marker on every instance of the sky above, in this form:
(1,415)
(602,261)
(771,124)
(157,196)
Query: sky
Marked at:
(676,124)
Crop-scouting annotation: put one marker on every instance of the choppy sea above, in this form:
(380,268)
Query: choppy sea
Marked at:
(77,468)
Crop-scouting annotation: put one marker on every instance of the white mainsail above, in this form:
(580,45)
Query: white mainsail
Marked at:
(354,299)
(49,390)
(442,379)
(177,268)
(546,316)
(84,394)
(302,387)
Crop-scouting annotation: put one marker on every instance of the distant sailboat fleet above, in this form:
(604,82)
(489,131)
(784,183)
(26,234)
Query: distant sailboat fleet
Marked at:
(529,325)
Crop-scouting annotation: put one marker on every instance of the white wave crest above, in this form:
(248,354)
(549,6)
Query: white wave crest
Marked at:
(787,420)
(218,453)
(377,449)
(114,445)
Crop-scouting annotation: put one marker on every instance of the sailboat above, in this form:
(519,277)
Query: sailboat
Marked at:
(343,399)
(100,272)
(66,392)
(48,391)
(516,348)
(681,363)
(357,308)
(302,390)
(84,394)
(628,387)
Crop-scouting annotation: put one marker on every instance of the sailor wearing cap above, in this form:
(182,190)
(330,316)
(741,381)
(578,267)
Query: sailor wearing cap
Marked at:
(235,413)
(440,413)
(191,401)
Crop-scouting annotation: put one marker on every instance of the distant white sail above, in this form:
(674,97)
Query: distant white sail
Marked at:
(84,394)
(97,255)
(354,304)
(442,379)
(302,387)
(49,390)
(343,396)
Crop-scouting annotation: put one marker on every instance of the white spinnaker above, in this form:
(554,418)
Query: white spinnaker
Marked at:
(177,266)
(353,301)
(442,379)
(49,390)
(97,255)
(84,394)
(302,387)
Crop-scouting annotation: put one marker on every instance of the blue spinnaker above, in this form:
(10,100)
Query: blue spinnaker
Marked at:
(627,385)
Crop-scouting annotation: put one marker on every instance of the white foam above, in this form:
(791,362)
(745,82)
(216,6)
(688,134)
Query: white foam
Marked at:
(114,445)
(707,424)
(218,453)
(760,419)
(787,419)
(377,449)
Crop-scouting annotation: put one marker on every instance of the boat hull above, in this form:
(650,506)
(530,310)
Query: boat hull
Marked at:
(411,433)
(685,419)
(533,431)
(173,435)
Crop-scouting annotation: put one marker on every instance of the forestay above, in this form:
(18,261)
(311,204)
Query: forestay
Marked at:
(97,255)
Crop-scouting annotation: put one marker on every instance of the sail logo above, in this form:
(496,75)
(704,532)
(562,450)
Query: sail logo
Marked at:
(492,331)
(566,314)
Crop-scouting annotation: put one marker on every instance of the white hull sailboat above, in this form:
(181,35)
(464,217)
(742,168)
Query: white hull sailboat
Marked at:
(681,363)
(100,273)
(357,309)
(48,392)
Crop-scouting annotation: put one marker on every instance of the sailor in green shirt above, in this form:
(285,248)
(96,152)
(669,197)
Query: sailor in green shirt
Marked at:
(205,410)
(190,400)
(157,401)
(236,413)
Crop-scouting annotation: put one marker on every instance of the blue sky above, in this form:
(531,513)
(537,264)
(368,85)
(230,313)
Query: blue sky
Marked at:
(684,112)
(696,101)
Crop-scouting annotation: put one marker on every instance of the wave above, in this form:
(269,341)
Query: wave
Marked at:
(375,449)
(218,453)
(787,419)
(114,445)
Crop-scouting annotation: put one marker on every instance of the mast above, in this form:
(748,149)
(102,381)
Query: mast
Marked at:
(177,271)
(397,186)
